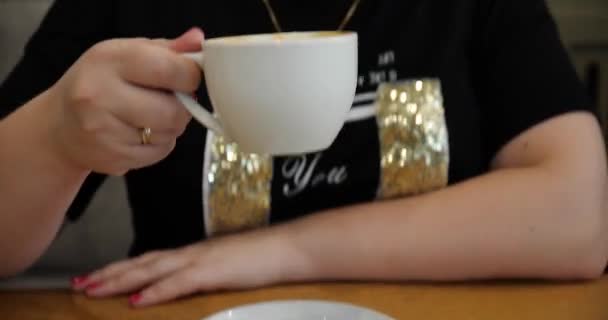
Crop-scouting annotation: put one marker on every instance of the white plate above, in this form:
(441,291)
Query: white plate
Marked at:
(299,310)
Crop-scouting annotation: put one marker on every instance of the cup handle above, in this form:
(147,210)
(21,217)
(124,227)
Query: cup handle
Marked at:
(196,110)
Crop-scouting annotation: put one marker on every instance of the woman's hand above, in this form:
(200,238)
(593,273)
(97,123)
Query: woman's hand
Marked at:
(113,91)
(242,261)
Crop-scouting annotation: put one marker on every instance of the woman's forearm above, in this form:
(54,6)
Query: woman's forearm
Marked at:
(88,121)
(36,186)
(509,223)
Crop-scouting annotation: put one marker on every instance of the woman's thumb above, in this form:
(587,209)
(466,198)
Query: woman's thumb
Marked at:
(189,41)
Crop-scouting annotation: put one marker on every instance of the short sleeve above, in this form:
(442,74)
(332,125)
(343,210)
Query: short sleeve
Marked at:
(68,30)
(524,74)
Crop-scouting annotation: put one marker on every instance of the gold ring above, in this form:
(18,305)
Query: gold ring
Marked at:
(146,136)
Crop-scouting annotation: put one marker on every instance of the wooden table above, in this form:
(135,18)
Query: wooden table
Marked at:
(470,301)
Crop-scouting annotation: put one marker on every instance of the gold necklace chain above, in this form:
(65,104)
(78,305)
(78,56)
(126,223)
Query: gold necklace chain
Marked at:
(345,21)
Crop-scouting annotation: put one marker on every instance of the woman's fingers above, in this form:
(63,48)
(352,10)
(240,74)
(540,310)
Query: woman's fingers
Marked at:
(150,65)
(137,276)
(115,90)
(111,270)
(189,41)
(185,282)
(144,108)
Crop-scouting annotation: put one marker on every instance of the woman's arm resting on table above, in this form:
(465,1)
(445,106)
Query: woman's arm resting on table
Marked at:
(540,214)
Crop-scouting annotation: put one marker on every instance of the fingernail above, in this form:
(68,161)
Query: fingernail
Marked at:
(93,286)
(135,299)
(79,280)
(196,30)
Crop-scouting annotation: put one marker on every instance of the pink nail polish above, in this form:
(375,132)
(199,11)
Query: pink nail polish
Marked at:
(135,299)
(79,280)
(94,285)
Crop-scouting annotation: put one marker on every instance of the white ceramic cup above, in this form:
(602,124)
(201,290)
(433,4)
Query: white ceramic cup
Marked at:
(278,94)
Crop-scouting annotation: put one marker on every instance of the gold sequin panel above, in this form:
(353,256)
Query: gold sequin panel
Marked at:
(413,138)
(238,186)
(414,159)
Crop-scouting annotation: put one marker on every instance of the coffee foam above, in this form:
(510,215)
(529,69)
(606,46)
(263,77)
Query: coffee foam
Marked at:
(285,36)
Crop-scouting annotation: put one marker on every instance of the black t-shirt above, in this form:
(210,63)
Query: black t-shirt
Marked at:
(500,62)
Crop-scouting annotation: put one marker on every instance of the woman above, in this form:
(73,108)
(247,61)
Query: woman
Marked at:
(527,171)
